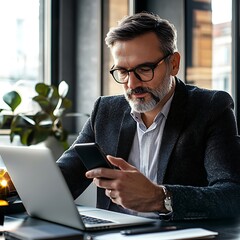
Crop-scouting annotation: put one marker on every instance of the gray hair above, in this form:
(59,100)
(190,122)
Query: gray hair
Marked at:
(138,24)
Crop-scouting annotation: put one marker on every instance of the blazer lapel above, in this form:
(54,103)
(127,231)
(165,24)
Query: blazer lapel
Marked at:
(172,128)
(127,131)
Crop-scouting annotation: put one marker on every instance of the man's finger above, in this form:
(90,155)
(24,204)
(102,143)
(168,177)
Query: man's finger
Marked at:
(120,163)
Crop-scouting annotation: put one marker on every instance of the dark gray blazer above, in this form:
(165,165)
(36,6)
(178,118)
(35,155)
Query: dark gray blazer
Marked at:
(199,160)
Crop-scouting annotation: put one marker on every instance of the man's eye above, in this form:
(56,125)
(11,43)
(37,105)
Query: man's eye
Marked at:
(143,69)
(122,71)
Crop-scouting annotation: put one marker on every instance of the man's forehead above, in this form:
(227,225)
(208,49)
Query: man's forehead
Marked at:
(130,56)
(142,44)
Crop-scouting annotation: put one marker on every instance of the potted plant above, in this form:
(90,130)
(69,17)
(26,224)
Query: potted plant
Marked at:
(33,129)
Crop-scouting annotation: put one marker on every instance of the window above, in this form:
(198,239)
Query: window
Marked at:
(116,10)
(22,47)
(209,44)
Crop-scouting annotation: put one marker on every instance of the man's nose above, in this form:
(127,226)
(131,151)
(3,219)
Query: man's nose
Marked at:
(133,81)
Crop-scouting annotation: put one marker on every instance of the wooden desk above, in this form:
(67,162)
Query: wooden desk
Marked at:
(228,229)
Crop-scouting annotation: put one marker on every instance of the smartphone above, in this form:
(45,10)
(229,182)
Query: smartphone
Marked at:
(92,155)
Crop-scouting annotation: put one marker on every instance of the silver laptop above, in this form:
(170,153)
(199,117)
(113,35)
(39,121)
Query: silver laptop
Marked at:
(45,194)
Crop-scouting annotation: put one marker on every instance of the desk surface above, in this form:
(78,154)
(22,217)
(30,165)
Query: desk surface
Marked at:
(228,229)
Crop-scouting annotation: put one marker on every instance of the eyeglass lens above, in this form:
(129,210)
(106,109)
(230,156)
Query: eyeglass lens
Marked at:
(143,73)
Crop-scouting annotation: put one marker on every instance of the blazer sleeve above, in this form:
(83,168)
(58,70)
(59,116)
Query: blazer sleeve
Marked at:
(98,129)
(221,197)
(71,166)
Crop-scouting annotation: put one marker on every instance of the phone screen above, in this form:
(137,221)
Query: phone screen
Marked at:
(92,156)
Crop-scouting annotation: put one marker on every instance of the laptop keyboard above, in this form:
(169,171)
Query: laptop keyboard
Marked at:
(92,220)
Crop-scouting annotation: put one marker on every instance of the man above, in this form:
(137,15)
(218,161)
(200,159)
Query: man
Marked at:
(175,146)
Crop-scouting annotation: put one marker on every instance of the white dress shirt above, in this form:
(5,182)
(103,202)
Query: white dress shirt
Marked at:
(144,154)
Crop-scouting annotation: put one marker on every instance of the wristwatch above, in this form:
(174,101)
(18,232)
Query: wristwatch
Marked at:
(167,204)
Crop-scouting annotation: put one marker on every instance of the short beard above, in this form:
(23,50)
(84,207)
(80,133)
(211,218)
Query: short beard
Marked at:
(141,105)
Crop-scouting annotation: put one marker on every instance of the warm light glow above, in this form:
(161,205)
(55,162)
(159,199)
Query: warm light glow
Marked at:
(3,203)
(3,183)
(2,172)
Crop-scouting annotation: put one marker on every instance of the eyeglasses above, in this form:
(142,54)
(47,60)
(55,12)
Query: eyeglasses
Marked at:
(143,72)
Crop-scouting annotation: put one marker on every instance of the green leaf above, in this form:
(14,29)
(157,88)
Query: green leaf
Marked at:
(42,101)
(26,136)
(41,134)
(47,91)
(43,89)
(12,99)
(33,129)
(43,118)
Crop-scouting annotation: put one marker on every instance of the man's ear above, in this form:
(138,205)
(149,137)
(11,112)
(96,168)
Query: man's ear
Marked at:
(174,63)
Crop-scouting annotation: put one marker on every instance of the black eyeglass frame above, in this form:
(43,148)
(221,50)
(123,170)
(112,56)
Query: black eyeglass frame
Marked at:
(152,66)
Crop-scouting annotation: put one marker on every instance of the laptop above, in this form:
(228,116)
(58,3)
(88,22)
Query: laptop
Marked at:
(45,194)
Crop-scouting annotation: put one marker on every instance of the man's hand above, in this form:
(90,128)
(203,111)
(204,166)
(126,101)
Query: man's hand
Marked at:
(127,187)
